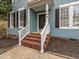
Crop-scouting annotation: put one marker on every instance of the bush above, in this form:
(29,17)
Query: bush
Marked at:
(3,27)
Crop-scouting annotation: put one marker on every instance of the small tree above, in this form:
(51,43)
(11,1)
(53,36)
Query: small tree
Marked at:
(5,7)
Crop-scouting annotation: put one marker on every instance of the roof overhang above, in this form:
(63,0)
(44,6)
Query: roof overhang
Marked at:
(37,3)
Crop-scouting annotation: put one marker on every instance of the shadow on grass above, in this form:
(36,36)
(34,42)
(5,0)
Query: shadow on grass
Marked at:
(64,48)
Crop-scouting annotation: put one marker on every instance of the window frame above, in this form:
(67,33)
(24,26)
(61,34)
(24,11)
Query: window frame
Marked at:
(61,27)
(11,26)
(14,1)
(71,7)
(19,25)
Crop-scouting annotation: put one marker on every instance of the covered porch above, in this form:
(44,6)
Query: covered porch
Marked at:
(38,17)
(38,26)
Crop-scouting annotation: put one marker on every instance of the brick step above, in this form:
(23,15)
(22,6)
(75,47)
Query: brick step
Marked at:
(33,39)
(31,44)
(35,36)
(35,33)
(48,41)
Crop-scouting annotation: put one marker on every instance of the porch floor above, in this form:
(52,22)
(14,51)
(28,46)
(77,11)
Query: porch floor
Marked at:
(58,49)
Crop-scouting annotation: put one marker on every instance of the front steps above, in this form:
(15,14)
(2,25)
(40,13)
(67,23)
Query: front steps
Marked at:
(33,40)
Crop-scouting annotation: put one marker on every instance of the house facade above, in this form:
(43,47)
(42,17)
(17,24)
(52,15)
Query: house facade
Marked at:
(26,12)
(60,18)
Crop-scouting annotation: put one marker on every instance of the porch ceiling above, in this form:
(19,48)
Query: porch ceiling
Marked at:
(39,8)
(39,3)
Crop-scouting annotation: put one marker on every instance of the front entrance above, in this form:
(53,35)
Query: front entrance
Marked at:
(41,21)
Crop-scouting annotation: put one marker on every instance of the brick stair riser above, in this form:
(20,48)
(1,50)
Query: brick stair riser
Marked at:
(34,36)
(34,40)
(31,46)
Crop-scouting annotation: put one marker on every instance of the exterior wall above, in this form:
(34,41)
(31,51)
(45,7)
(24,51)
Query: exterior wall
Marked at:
(33,21)
(19,4)
(13,31)
(66,33)
(15,6)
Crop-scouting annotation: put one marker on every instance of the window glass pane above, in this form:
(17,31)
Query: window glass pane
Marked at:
(76,15)
(64,16)
(12,20)
(21,18)
(16,19)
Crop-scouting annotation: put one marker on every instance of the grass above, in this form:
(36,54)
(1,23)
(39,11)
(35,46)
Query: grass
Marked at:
(3,27)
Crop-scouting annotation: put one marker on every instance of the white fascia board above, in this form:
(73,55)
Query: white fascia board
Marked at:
(21,9)
(69,4)
(11,11)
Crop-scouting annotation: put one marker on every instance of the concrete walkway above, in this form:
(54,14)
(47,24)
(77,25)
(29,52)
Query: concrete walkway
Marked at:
(20,52)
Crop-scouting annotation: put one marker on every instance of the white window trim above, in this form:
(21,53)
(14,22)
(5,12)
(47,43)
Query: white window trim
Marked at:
(69,4)
(38,20)
(11,26)
(19,17)
(70,15)
(61,27)
(14,1)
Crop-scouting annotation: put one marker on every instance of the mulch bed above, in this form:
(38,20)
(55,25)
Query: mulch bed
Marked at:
(64,47)
(7,42)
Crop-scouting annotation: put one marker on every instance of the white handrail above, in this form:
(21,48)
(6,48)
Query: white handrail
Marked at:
(23,32)
(45,31)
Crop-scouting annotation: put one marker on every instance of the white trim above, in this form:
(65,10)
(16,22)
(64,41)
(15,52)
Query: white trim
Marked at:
(18,18)
(14,1)
(29,18)
(71,7)
(47,13)
(38,20)
(11,26)
(69,28)
(69,4)
(70,16)
(21,8)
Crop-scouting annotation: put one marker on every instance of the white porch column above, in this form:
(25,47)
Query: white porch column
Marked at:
(29,18)
(47,13)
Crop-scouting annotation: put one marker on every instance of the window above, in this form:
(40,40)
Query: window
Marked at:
(17,18)
(22,17)
(65,16)
(69,16)
(76,15)
(11,19)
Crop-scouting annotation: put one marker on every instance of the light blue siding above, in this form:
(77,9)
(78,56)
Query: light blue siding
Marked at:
(19,4)
(66,33)
(15,6)
(33,21)
(12,31)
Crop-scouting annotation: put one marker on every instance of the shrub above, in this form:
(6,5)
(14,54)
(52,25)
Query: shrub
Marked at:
(3,27)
